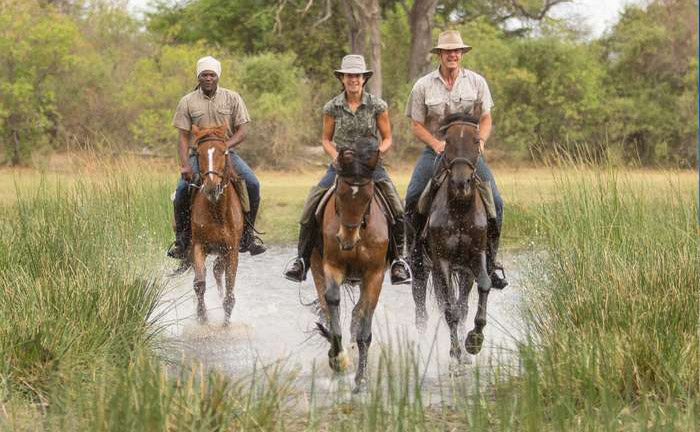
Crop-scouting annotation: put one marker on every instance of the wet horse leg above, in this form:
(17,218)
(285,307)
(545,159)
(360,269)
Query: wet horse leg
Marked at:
(200,280)
(448,304)
(333,278)
(475,338)
(231,263)
(361,327)
(219,268)
(418,288)
(465,282)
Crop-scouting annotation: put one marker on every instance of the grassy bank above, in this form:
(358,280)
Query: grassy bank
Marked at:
(612,296)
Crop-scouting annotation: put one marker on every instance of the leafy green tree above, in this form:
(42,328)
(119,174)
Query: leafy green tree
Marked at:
(35,53)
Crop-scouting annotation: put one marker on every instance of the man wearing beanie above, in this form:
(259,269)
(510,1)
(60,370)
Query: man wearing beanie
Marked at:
(207,106)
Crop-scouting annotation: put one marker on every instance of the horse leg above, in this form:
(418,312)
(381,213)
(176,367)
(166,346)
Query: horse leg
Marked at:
(231,263)
(418,288)
(465,286)
(200,280)
(361,327)
(475,338)
(320,284)
(219,268)
(448,304)
(337,358)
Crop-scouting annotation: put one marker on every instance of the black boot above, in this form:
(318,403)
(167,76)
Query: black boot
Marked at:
(414,226)
(400,271)
(183,235)
(249,241)
(492,242)
(296,270)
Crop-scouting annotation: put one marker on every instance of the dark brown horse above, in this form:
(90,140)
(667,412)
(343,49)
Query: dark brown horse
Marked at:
(217,218)
(355,236)
(456,236)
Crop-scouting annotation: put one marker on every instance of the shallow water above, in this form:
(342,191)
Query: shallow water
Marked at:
(271,326)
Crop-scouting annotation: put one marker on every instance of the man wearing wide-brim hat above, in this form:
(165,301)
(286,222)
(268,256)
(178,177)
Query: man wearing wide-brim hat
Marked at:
(447,90)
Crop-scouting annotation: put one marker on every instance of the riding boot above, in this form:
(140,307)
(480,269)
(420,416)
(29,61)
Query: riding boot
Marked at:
(414,226)
(296,270)
(183,234)
(492,241)
(249,241)
(400,270)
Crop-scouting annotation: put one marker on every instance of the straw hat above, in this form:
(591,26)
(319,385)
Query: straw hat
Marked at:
(450,40)
(353,64)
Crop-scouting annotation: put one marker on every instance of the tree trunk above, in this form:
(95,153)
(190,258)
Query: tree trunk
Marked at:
(356,27)
(421,21)
(375,47)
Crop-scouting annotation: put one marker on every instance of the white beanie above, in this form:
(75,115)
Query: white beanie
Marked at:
(208,63)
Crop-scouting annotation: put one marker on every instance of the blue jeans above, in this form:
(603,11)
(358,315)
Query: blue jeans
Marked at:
(182,193)
(427,165)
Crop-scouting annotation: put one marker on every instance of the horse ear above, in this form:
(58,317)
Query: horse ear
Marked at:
(196,130)
(220,131)
(477,110)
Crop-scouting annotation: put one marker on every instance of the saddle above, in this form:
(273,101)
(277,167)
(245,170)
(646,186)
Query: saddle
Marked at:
(426,197)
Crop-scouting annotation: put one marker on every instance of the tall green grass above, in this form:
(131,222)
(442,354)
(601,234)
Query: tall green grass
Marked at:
(612,296)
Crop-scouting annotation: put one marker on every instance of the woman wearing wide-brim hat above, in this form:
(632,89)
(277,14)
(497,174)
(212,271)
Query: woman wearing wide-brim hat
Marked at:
(352,114)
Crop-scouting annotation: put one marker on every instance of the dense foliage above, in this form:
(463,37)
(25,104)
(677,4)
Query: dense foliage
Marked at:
(78,73)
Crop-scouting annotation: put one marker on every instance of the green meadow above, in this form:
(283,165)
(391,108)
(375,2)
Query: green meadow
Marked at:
(611,288)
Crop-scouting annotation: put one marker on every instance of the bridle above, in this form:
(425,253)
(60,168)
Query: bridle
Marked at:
(224,181)
(448,164)
(352,184)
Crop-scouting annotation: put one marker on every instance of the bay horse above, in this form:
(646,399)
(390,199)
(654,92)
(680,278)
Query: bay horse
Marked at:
(355,236)
(456,237)
(217,218)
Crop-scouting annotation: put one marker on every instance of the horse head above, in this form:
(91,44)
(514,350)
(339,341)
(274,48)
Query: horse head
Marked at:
(355,189)
(461,153)
(214,167)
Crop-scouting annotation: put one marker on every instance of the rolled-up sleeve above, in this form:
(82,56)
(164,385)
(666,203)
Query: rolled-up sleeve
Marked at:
(415,107)
(182,119)
(485,96)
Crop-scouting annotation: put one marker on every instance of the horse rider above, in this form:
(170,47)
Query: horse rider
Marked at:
(448,90)
(352,114)
(207,106)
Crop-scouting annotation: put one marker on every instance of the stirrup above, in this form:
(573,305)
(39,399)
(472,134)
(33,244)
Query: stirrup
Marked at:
(405,266)
(303,270)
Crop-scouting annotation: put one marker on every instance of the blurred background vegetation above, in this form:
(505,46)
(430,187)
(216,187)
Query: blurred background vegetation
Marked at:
(89,74)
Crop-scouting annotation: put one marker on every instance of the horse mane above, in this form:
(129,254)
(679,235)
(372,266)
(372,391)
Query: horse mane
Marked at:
(459,117)
(363,150)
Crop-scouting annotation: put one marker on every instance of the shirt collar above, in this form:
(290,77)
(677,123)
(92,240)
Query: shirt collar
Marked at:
(216,93)
(436,75)
(340,100)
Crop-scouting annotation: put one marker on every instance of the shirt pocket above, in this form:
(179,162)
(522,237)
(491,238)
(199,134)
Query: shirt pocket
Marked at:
(463,103)
(197,117)
(436,107)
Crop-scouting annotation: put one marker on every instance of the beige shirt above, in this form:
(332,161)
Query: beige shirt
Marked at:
(226,107)
(430,100)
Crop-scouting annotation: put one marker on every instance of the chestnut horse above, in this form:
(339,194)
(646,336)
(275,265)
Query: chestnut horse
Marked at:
(355,235)
(456,236)
(217,217)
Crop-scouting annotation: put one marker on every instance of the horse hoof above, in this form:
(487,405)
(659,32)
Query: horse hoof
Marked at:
(360,386)
(473,342)
(339,363)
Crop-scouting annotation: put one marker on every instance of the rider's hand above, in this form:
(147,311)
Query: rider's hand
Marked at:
(482,142)
(186,171)
(440,147)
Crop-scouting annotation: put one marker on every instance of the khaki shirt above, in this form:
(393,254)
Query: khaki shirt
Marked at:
(349,125)
(430,98)
(226,107)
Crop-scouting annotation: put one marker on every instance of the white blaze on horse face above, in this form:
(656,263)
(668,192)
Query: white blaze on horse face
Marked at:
(211,162)
(355,190)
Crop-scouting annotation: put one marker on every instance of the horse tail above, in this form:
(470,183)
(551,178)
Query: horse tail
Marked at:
(323,331)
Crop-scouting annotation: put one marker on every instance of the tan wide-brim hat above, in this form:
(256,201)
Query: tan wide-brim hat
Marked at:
(450,40)
(353,64)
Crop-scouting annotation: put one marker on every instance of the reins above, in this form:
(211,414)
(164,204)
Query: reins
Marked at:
(224,180)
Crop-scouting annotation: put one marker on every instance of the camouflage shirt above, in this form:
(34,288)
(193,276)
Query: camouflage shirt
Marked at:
(430,100)
(225,108)
(352,125)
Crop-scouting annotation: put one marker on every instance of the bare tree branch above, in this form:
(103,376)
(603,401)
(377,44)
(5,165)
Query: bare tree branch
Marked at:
(278,19)
(548,4)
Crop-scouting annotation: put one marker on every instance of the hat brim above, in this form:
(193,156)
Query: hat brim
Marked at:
(448,47)
(367,74)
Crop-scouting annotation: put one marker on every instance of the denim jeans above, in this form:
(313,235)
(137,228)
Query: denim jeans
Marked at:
(182,193)
(427,165)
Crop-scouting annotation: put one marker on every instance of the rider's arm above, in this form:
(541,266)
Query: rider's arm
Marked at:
(384,127)
(183,149)
(423,134)
(327,136)
(238,136)
(485,124)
